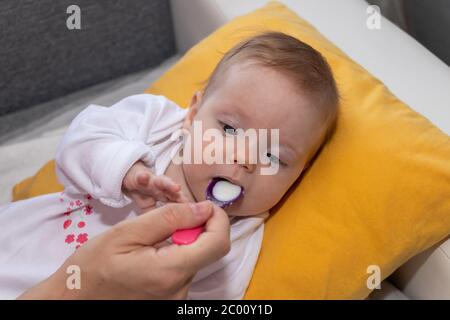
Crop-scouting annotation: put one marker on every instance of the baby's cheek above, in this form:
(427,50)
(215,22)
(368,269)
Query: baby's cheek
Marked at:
(263,197)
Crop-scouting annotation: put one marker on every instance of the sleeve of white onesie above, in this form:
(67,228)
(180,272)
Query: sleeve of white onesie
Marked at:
(102,143)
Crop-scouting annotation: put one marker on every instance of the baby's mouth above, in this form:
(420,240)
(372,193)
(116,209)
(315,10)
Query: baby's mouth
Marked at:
(223,192)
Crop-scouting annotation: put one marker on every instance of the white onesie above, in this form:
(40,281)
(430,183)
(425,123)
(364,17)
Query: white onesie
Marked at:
(37,235)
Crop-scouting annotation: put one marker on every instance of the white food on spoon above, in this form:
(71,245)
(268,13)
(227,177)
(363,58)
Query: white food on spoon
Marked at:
(226,191)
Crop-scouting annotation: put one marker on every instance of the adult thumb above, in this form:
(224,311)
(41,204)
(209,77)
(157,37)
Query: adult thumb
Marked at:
(158,224)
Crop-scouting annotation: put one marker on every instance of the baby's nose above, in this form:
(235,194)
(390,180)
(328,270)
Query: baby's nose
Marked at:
(243,157)
(249,167)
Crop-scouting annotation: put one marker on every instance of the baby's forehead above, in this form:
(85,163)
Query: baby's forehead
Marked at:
(245,81)
(266,98)
(274,106)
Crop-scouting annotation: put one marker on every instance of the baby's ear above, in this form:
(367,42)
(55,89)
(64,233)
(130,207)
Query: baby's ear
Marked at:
(193,109)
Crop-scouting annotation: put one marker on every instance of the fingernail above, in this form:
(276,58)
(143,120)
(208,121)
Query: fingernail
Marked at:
(201,208)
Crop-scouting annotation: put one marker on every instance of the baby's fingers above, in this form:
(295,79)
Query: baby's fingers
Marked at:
(170,189)
(166,184)
(144,202)
(142,178)
(179,197)
(136,177)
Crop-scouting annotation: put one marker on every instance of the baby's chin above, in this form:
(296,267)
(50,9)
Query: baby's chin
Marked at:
(242,210)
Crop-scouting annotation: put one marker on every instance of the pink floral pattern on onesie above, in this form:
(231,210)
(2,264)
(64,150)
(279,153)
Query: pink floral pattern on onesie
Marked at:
(75,219)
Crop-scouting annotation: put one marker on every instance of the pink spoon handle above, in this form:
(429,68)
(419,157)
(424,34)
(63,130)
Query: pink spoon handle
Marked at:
(186,236)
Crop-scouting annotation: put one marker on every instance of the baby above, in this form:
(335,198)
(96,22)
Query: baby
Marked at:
(118,162)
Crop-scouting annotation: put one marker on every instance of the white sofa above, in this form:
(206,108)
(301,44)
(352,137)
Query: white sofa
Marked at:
(410,71)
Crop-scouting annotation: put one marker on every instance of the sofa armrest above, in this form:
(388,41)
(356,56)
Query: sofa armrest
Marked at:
(427,275)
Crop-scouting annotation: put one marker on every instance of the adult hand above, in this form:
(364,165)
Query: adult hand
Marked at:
(132,261)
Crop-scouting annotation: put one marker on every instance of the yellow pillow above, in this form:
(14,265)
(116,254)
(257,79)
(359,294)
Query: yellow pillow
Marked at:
(377,194)
(43,182)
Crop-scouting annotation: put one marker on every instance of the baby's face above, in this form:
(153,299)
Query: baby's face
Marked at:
(253,96)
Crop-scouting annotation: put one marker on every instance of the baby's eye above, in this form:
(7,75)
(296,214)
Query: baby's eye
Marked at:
(274,159)
(229,129)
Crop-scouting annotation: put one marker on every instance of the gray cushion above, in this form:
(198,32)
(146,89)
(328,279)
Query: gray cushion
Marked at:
(41,59)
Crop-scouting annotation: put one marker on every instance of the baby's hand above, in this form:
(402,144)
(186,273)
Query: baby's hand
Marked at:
(145,188)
